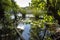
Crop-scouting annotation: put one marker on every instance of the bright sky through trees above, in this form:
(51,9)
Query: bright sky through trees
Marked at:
(23,3)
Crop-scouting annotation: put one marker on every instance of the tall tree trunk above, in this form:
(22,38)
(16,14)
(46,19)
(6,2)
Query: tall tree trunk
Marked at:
(15,24)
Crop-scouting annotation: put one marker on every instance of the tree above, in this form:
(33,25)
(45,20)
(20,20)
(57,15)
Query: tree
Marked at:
(52,9)
(23,11)
(47,18)
(37,7)
(8,7)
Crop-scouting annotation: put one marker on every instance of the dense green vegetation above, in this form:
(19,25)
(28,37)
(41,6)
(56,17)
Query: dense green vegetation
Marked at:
(49,9)
(7,9)
(46,12)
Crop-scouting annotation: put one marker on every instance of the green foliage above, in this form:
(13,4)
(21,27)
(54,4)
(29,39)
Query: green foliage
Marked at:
(48,18)
(22,10)
(37,9)
(58,12)
(7,8)
(38,5)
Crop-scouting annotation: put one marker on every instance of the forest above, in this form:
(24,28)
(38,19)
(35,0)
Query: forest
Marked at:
(43,16)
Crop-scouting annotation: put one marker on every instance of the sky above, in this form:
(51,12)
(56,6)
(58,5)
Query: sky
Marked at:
(23,3)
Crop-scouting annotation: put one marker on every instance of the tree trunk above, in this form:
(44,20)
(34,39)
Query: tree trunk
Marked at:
(23,16)
(37,17)
(15,24)
(21,37)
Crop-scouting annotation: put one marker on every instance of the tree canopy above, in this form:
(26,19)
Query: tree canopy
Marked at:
(46,12)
